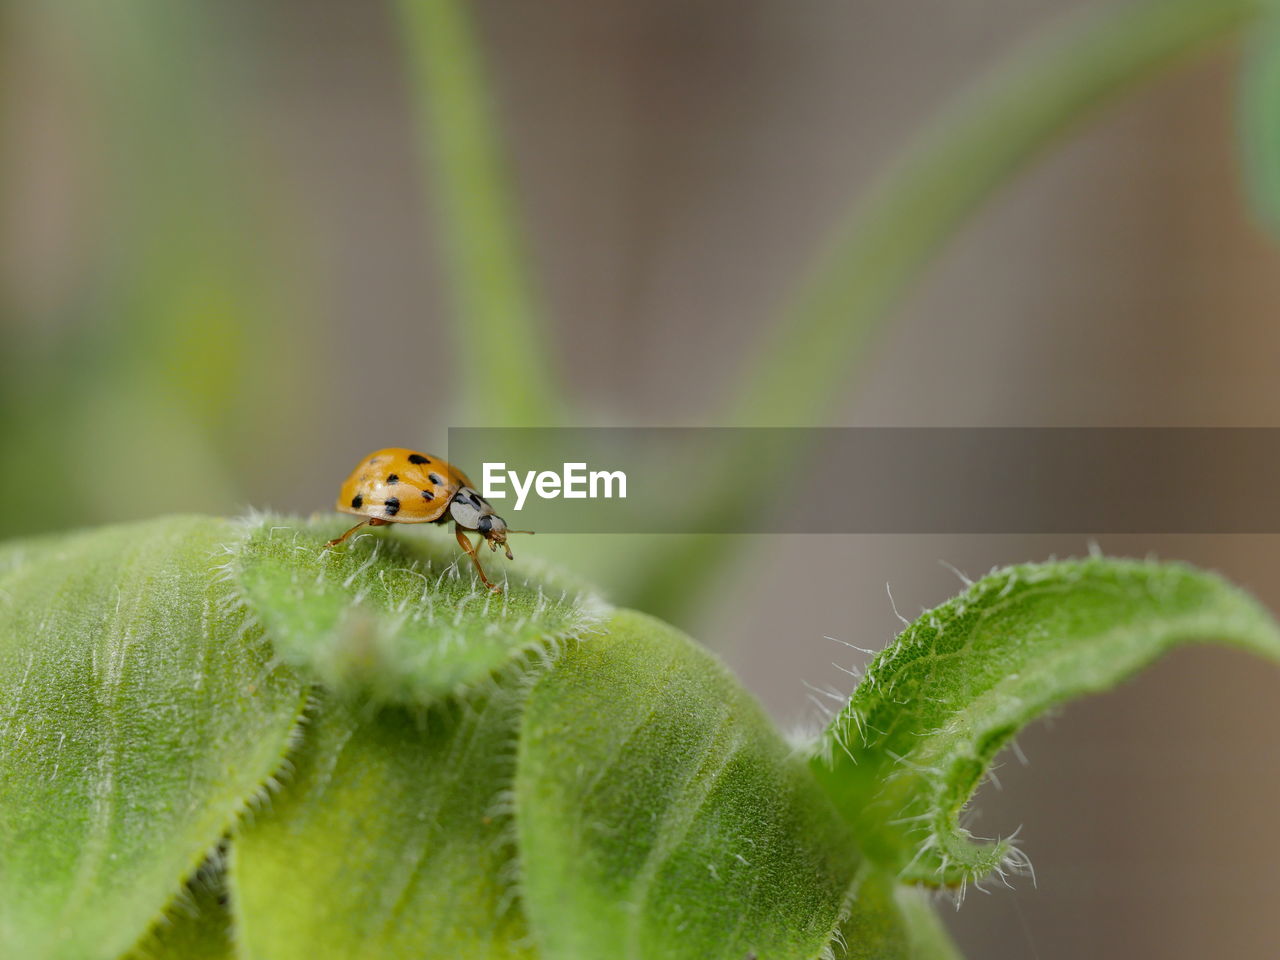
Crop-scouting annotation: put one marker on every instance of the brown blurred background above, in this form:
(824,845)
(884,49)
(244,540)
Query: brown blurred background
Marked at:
(678,165)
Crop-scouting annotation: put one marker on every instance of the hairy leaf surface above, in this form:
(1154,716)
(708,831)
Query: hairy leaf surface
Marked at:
(195,926)
(660,815)
(935,707)
(894,922)
(399,615)
(392,838)
(140,710)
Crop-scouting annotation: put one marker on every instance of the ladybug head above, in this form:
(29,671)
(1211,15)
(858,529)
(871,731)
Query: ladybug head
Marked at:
(494,529)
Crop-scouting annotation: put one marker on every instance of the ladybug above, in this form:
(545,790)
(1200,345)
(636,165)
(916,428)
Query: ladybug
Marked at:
(396,485)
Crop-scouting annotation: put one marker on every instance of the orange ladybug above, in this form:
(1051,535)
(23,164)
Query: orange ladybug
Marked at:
(396,485)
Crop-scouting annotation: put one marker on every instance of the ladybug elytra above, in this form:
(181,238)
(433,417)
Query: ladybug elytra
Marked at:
(396,485)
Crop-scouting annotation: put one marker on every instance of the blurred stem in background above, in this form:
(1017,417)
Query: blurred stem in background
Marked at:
(884,241)
(808,362)
(1258,120)
(501,351)
(168,358)
(165,362)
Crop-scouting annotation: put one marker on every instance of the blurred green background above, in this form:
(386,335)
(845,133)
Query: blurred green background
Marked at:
(246,243)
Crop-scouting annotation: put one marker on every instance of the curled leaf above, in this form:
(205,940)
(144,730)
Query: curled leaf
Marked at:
(921,730)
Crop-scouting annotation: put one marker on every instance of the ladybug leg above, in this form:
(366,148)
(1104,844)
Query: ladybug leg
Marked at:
(465,543)
(371,521)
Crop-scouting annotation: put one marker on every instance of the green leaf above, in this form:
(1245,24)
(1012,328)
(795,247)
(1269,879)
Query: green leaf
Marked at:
(393,838)
(395,832)
(660,815)
(1258,121)
(918,735)
(140,711)
(196,926)
(894,922)
(399,615)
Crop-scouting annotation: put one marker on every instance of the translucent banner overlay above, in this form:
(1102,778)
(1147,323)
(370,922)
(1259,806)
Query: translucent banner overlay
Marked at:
(877,480)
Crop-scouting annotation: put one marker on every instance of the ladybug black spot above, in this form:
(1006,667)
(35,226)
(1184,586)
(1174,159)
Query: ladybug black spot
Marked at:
(357,502)
(393,478)
(418,458)
(392,506)
(428,495)
(435,478)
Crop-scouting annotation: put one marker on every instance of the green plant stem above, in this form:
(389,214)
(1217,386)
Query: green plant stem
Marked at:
(1258,121)
(977,146)
(499,353)
(886,239)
